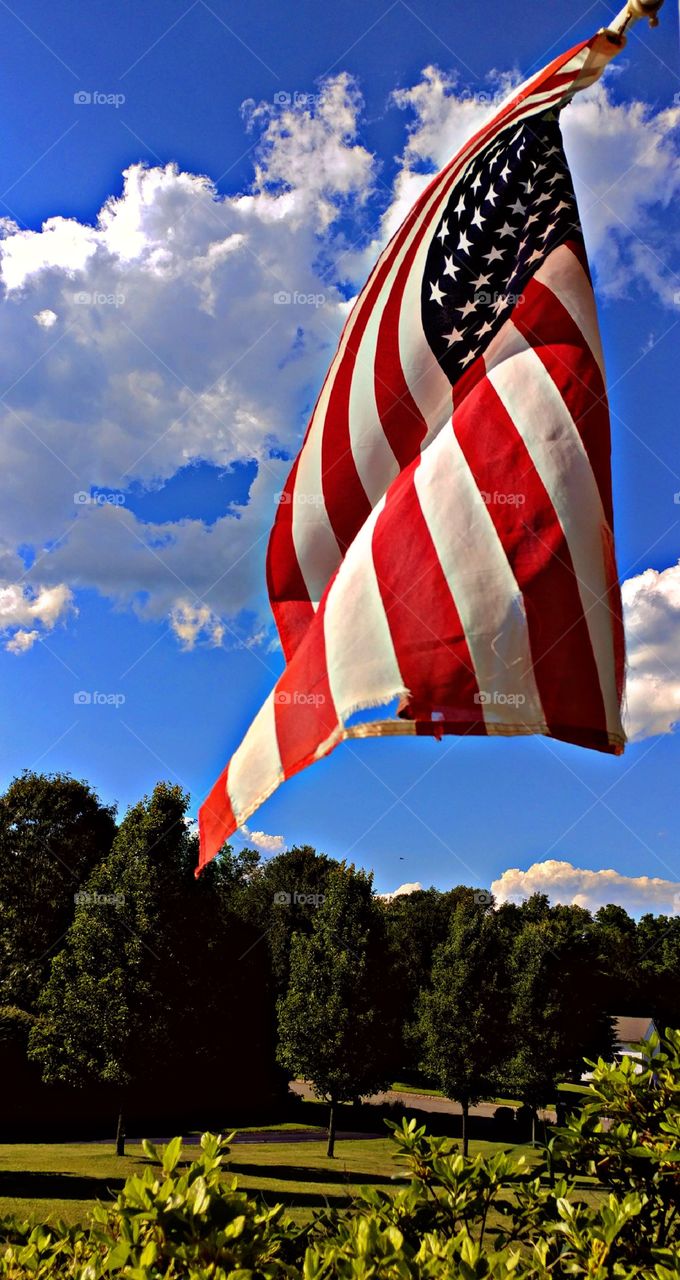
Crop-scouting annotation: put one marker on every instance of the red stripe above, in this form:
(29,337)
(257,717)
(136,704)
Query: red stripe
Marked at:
(304,707)
(533,540)
(427,633)
(558,342)
(216,821)
(287,588)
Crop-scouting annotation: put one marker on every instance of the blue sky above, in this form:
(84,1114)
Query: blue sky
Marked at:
(176,393)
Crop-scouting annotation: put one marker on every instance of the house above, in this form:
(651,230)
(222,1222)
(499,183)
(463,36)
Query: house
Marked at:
(629,1032)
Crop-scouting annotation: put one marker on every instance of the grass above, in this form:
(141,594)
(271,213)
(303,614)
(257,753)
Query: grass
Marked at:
(50,1181)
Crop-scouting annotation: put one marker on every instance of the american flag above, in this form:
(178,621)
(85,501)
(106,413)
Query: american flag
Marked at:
(444,540)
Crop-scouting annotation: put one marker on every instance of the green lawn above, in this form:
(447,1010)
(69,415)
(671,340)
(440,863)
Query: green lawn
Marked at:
(63,1180)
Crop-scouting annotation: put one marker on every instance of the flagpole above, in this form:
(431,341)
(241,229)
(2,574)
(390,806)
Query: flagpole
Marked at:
(632,12)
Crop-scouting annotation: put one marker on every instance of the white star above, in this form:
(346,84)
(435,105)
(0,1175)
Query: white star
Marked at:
(517,207)
(477,182)
(486,328)
(480,281)
(494,255)
(454,336)
(562,205)
(546,233)
(553,151)
(533,217)
(507,230)
(466,359)
(443,231)
(517,135)
(505,171)
(437,294)
(449,269)
(477,220)
(539,168)
(464,243)
(542,198)
(521,150)
(467,309)
(528,186)
(500,304)
(535,257)
(460,207)
(555,178)
(491,195)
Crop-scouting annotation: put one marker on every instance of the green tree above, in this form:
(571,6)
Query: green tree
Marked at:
(462,1016)
(331,1027)
(53,831)
(557,1017)
(154,973)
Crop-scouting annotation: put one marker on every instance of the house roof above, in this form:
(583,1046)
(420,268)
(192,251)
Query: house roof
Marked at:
(628,1031)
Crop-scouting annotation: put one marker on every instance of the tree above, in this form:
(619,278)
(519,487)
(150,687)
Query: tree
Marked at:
(331,1028)
(154,972)
(556,1017)
(417,923)
(462,1014)
(53,831)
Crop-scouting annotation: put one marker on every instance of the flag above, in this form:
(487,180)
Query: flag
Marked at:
(445,536)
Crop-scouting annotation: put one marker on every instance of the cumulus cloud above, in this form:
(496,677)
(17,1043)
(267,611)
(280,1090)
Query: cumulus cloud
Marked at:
(184,325)
(263,841)
(411,886)
(21,605)
(577,886)
(652,614)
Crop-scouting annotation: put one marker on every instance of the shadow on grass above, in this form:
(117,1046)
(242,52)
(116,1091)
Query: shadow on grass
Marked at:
(57,1186)
(302,1173)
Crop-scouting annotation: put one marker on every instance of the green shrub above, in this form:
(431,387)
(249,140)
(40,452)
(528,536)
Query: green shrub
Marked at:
(601,1202)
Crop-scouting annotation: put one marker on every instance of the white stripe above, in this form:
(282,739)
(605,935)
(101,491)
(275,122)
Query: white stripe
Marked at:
(484,588)
(541,417)
(255,768)
(360,659)
(563,274)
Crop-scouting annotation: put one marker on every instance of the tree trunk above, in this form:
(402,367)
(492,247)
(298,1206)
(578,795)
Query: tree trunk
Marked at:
(533,1126)
(330,1149)
(120,1133)
(465,1108)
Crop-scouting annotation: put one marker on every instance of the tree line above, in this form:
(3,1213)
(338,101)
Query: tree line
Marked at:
(118,967)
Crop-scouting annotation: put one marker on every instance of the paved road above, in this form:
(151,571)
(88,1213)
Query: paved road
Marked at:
(420,1101)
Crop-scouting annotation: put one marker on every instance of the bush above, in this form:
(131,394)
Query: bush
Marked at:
(487,1217)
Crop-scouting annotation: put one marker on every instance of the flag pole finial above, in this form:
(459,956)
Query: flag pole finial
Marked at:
(632,12)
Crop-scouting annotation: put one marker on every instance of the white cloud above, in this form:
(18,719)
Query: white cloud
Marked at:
(263,841)
(567,884)
(412,886)
(21,641)
(652,615)
(46,319)
(21,605)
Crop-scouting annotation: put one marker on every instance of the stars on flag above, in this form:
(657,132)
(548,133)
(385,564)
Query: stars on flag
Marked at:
(493,233)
